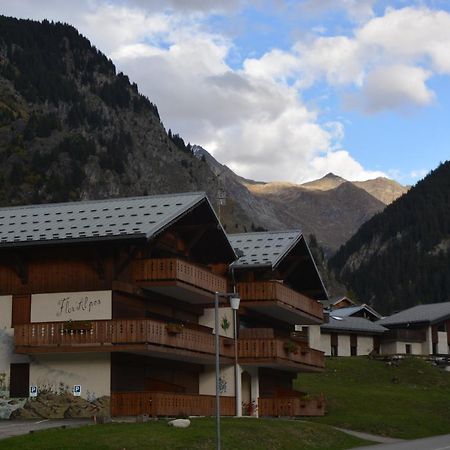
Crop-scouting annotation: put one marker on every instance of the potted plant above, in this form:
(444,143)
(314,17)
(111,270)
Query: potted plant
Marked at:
(174,328)
(77,325)
(249,408)
(290,347)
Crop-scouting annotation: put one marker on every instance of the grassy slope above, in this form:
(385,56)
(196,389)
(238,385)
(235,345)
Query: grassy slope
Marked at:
(157,435)
(409,401)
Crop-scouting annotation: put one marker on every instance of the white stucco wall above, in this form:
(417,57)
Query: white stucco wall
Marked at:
(427,346)
(62,371)
(207,381)
(7,355)
(343,345)
(63,306)
(399,348)
(225,316)
(442,342)
(364,345)
(325,344)
(315,337)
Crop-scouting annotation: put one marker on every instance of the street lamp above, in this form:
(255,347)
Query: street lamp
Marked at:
(234,303)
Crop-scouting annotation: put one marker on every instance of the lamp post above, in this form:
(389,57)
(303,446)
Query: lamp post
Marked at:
(234,303)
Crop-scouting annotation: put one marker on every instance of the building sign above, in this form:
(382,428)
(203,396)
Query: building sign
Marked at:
(33,391)
(77,390)
(64,306)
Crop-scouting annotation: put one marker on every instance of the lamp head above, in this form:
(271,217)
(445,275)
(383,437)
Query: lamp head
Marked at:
(234,301)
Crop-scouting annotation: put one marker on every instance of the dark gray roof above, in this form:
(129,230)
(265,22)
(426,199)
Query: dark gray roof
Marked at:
(356,324)
(263,248)
(347,312)
(431,313)
(97,219)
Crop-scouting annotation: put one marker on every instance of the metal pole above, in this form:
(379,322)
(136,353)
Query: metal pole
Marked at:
(237,375)
(216,331)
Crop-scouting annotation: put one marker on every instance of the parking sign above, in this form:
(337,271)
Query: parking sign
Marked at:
(33,391)
(77,390)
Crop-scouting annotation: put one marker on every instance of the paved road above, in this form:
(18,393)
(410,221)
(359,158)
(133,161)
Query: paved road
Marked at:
(9,428)
(432,443)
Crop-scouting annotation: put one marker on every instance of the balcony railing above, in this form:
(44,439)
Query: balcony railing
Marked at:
(279,351)
(291,406)
(404,335)
(168,404)
(172,269)
(109,335)
(274,291)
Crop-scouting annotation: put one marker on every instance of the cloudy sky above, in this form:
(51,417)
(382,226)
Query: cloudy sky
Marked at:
(284,90)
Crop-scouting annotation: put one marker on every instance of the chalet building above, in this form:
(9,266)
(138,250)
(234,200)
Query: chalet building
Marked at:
(106,307)
(279,287)
(420,330)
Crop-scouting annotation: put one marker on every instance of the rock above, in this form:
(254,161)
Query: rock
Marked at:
(180,423)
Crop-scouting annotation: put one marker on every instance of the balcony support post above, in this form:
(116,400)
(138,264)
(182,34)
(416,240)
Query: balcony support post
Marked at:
(216,333)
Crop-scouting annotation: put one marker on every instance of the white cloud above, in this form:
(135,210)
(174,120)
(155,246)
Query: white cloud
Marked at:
(394,87)
(253,119)
(340,162)
(388,60)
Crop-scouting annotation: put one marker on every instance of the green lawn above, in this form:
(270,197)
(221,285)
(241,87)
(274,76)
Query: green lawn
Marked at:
(237,434)
(409,401)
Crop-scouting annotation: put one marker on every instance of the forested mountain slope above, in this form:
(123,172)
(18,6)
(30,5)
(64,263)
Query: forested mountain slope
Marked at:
(72,128)
(401,257)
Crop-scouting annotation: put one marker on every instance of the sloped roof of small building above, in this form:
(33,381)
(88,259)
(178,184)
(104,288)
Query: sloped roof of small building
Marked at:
(431,313)
(349,311)
(265,248)
(334,300)
(119,218)
(353,324)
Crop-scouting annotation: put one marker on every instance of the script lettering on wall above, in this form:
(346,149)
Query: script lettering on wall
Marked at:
(93,305)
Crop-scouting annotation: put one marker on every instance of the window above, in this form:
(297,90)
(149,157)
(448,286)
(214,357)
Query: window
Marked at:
(19,384)
(442,327)
(408,349)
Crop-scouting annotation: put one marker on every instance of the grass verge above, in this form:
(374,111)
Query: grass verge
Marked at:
(237,434)
(408,401)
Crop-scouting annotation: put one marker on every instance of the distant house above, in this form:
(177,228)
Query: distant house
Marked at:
(420,330)
(350,331)
(337,303)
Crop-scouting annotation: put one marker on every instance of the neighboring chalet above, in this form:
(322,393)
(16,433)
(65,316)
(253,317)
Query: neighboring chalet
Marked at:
(420,330)
(279,286)
(106,307)
(350,336)
(350,330)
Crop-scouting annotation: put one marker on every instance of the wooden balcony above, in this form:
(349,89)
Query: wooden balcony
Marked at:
(179,279)
(291,406)
(274,299)
(168,404)
(399,334)
(278,352)
(152,337)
